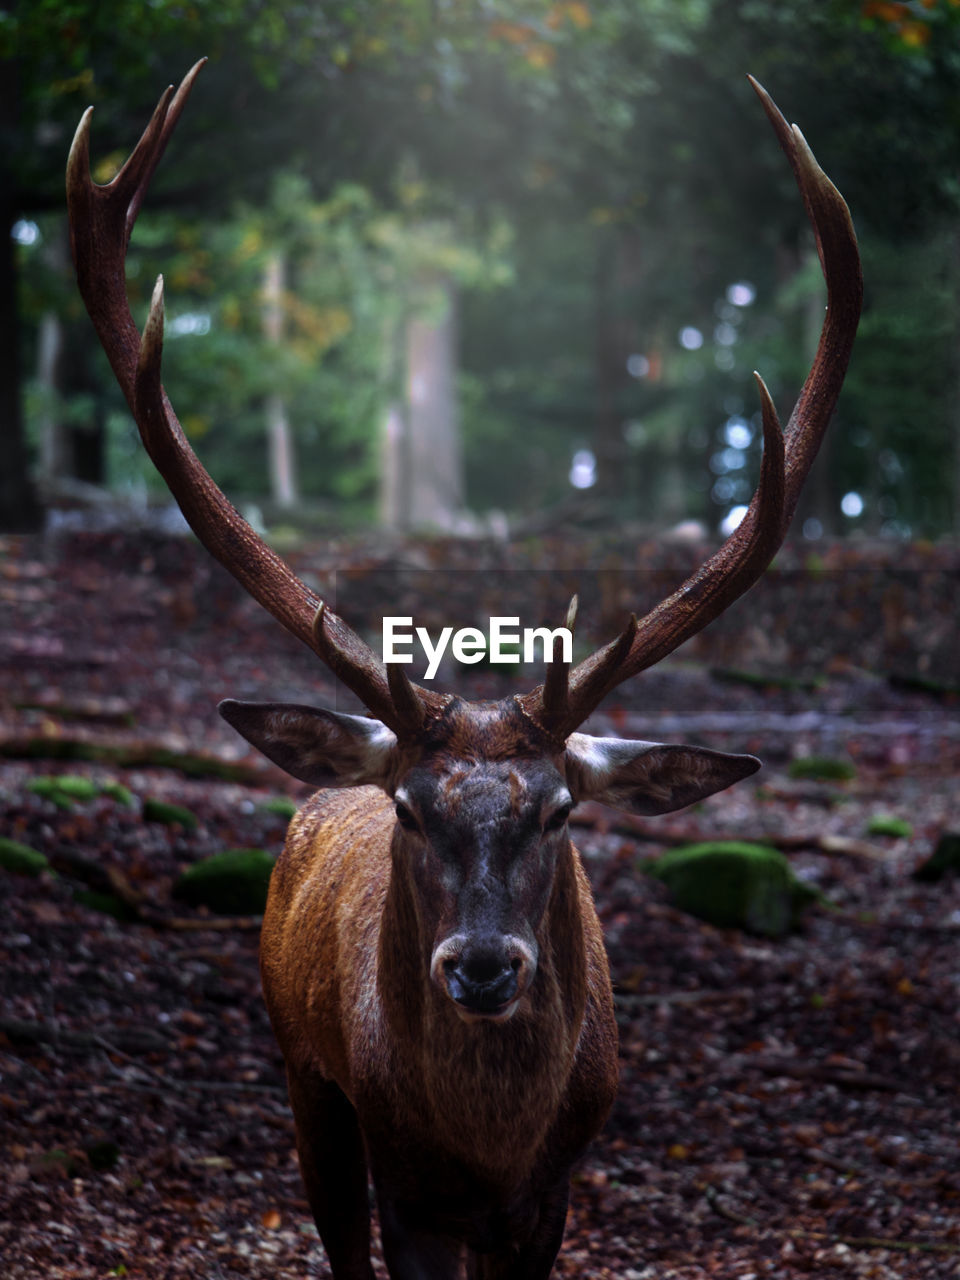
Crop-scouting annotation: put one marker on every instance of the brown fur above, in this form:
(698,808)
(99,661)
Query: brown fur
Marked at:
(473,1122)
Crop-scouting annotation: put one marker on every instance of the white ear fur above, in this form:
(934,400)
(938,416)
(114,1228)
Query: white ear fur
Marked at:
(325,748)
(649,777)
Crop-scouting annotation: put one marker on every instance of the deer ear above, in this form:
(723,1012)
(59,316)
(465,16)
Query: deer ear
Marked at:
(649,777)
(325,748)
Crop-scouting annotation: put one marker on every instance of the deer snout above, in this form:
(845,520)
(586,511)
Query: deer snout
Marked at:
(484,978)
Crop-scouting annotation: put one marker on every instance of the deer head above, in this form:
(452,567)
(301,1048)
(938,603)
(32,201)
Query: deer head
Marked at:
(482,796)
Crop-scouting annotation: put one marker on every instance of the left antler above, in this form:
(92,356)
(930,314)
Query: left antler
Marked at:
(101,221)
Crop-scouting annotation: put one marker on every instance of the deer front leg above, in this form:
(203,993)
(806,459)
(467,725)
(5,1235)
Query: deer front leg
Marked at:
(533,1260)
(412,1253)
(334,1170)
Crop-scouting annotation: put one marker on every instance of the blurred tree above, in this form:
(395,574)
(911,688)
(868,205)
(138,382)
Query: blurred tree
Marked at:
(679,192)
(338,90)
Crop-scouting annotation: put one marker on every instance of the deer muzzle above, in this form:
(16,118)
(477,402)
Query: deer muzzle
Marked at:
(485,978)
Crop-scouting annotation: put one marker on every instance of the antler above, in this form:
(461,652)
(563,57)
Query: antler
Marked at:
(786,461)
(101,221)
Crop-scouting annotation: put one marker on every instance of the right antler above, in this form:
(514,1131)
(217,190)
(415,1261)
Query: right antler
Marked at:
(101,221)
(787,458)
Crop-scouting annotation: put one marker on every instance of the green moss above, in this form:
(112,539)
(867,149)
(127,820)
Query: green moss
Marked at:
(62,791)
(885,824)
(102,1155)
(58,1158)
(822,769)
(282,806)
(761,680)
(20,858)
(815,564)
(233,882)
(944,861)
(942,689)
(117,791)
(59,798)
(76,788)
(735,885)
(66,790)
(160,811)
(108,904)
(130,757)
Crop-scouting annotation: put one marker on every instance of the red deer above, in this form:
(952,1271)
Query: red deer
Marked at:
(431,957)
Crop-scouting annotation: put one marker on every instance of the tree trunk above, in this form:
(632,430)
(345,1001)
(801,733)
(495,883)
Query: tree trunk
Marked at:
(431,490)
(955,495)
(55,452)
(394,470)
(283,469)
(608,443)
(20,511)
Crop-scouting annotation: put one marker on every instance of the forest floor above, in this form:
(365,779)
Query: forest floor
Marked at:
(786,1109)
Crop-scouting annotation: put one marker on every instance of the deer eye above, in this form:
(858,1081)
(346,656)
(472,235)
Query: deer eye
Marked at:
(406,818)
(557,818)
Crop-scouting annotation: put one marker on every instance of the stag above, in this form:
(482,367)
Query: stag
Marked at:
(432,961)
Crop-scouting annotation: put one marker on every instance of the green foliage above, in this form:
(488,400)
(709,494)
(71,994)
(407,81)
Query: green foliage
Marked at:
(20,858)
(735,885)
(822,769)
(233,882)
(159,811)
(593,176)
(355,273)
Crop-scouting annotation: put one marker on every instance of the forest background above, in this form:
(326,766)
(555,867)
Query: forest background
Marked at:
(431,262)
(501,269)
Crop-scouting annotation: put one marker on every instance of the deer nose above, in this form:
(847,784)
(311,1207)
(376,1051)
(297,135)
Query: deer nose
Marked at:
(483,980)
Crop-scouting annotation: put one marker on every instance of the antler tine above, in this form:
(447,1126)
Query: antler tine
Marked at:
(786,459)
(555,685)
(101,219)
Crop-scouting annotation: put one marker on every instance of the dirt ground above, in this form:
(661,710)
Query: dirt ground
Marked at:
(787,1108)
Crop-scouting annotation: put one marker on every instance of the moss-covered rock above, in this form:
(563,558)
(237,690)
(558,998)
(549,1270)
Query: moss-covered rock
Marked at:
(20,858)
(822,769)
(160,811)
(735,885)
(281,806)
(70,784)
(102,1155)
(944,861)
(118,792)
(64,790)
(233,882)
(108,904)
(886,824)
